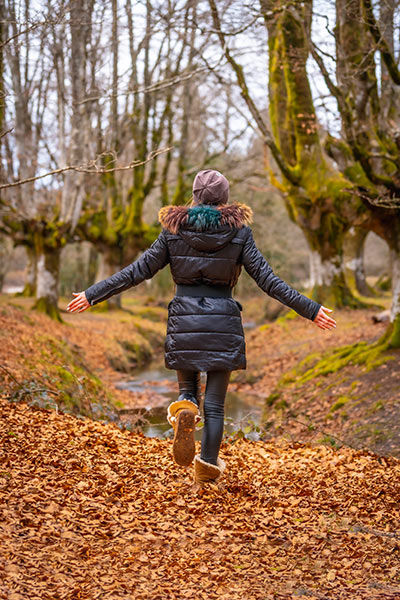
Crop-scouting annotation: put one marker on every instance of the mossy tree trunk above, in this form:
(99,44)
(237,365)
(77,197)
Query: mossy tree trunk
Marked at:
(394,328)
(110,263)
(31,273)
(371,138)
(92,264)
(21,232)
(48,270)
(389,224)
(354,261)
(328,283)
(5,255)
(390,108)
(318,197)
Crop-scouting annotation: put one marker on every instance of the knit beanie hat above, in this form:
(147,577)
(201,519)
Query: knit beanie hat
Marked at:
(210,187)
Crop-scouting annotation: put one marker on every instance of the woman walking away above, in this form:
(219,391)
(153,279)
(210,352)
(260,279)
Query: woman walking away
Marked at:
(206,244)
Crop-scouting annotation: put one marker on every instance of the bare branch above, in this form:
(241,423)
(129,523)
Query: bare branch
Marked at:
(160,85)
(6,132)
(23,32)
(90,168)
(242,29)
(379,200)
(381,43)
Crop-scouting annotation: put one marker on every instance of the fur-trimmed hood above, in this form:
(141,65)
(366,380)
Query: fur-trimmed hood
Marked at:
(205,217)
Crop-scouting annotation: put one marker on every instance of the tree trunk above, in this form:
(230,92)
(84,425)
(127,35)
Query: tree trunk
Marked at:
(320,202)
(2,86)
(389,91)
(110,263)
(354,261)
(31,274)
(327,280)
(48,268)
(92,264)
(393,333)
(5,252)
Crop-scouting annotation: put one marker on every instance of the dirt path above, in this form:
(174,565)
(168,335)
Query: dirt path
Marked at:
(89,511)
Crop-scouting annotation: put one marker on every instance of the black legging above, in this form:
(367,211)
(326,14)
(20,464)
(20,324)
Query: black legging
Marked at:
(214,399)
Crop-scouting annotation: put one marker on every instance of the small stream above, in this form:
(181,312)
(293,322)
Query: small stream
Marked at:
(242,411)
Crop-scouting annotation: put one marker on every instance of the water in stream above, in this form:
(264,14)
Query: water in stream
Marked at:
(242,411)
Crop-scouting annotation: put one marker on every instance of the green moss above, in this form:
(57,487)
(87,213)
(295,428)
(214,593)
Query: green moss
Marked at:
(156,314)
(138,353)
(310,359)
(281,404)
(370,430)
(180,191)
(355,384)
(43,305)
(94,232)
(27,292)
(384,283)
(335,383)
(272,398)
(289,316)
(65,375)
(341,401)
(360,353)
(392,335)
(110,235)
(356,174)
(378,405)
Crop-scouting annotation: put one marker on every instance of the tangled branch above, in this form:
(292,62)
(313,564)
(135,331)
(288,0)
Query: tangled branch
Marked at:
(91,168)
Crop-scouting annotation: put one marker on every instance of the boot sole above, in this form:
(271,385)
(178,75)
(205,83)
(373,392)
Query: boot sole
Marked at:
(184,447)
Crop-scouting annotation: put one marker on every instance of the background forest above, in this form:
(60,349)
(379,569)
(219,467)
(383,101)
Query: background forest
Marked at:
(297,103)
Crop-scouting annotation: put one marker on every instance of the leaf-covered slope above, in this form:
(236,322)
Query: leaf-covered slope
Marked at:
(74,364)
(89,511)
(313,394)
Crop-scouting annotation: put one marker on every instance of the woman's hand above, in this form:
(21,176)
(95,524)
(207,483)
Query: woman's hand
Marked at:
(324,321)
(78,304)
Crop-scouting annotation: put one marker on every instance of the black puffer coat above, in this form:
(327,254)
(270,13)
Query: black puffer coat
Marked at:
(204,245)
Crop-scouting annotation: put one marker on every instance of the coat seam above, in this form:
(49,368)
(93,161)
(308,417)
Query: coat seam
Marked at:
(179,350)
(204,315)
(186,256)
(202,331)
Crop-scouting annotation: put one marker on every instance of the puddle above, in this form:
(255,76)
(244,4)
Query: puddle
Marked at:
(156,382)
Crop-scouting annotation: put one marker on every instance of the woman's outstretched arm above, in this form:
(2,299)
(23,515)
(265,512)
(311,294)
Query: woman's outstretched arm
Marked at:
(155,258)
(260,270)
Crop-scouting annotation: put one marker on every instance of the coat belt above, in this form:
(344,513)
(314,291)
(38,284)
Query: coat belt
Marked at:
(211,291)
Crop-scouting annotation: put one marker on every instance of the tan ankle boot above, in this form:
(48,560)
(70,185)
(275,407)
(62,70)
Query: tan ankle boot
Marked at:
(205,472)
(183,416)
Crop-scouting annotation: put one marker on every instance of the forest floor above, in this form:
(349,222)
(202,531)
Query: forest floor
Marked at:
(92,512)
